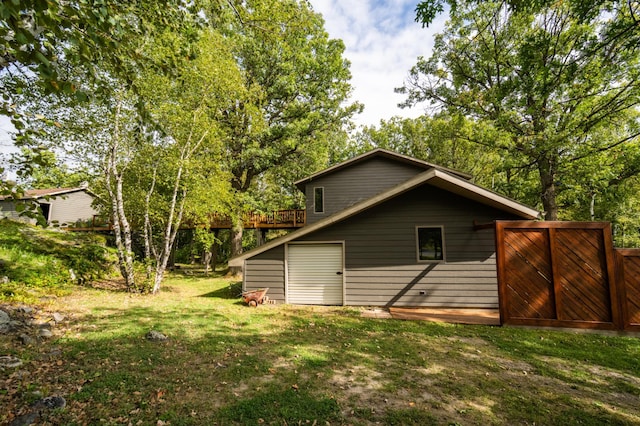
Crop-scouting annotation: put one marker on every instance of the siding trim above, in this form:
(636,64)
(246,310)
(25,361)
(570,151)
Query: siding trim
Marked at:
(244,276)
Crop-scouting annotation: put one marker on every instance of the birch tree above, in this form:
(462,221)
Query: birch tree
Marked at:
(187,107)
(61,45)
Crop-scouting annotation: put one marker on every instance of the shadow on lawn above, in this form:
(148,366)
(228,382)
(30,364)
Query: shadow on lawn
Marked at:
(232,291)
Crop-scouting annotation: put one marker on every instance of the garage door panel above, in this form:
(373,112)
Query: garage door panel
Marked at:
(313,277)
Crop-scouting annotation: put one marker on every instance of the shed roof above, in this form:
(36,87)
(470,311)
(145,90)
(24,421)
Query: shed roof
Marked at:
(31,194)
(435,177)
(379,152)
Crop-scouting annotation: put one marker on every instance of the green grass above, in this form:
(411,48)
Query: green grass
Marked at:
(38,262)
(225,363)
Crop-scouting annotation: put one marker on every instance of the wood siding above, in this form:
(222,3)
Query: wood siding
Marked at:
(380,245)
(64,209)
(8,211)
(266,270)
(359,182)
(381,267)
(70,208)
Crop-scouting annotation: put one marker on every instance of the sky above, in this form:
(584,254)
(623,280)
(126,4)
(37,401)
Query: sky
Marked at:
(382,42)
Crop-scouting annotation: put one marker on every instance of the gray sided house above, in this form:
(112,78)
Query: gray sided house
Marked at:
(387,230)
(61,206)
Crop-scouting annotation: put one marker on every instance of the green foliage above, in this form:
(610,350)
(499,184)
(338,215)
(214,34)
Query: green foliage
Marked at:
(45,36)
(47,171)
(37,261)
(559,80)
(59,46)
(295,86)
(428,10)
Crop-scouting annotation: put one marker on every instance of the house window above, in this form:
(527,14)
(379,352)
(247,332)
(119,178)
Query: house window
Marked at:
(318,200)
(430,240)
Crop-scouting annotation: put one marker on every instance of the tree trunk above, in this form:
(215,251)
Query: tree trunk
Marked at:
(121,228)
(149,248)
(211,254)
(547,170)
(260,236)
(192,248)
(170,234)
(206,260)
(236,243)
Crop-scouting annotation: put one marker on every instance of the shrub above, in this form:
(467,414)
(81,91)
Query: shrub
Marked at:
(35,260)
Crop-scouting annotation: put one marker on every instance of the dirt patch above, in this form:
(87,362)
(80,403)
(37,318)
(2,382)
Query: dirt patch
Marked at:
(453,316)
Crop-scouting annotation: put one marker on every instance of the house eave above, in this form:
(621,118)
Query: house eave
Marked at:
(379,152)
(54,192)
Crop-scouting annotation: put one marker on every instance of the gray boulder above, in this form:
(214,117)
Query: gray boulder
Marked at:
(9,361)
(45,333)
(155,336)
(5,322)
(27,340)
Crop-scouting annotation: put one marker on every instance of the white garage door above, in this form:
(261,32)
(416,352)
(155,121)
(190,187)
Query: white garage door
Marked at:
(314,274)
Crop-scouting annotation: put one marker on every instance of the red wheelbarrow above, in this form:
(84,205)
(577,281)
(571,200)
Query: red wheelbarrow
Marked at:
(253,297)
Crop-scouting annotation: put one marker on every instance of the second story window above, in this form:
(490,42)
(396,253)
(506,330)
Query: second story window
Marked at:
(318,200)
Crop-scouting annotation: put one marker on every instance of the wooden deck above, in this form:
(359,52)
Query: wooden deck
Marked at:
(455,316)
(279,219)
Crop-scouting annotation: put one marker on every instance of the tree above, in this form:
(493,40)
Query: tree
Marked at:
(48,43)
(50,172)
(545,76)
(296,83)
(187,153)
(449,141)
(427,11)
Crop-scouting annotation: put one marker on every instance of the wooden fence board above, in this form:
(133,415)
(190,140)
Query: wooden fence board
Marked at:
(559,274)
(628,261)
(582,275)
(527,260)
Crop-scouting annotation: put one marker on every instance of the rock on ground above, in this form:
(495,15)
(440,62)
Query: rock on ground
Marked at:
(154,335)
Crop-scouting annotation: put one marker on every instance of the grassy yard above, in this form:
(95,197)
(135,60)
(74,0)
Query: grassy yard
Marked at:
(225,363)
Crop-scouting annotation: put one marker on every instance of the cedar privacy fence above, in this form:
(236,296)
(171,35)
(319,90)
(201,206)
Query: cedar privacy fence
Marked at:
(566,274)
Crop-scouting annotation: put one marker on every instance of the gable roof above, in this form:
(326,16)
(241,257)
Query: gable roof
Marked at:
(34,194)
(380,153)
(435,177)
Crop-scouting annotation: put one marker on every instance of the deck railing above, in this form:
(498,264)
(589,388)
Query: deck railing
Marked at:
(276,219)
(279,219)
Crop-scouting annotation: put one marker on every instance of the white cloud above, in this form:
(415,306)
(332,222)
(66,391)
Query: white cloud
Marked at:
(382,42)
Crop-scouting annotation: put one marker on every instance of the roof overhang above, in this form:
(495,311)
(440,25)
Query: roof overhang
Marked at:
(434,177)
(379,152)
(35,194)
